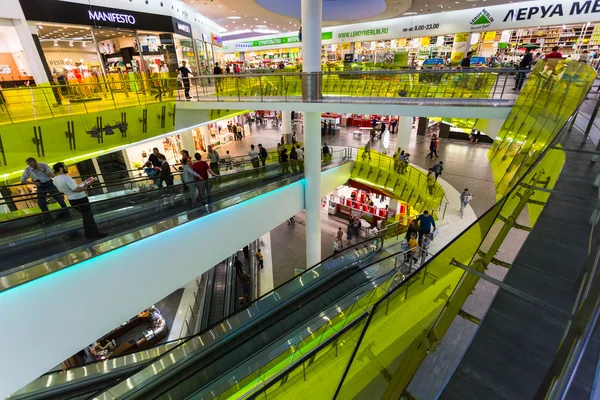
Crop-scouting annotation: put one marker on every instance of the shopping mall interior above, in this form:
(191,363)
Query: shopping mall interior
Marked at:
(264,199)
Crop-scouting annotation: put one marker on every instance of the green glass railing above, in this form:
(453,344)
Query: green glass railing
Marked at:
(402,181)
(477,87)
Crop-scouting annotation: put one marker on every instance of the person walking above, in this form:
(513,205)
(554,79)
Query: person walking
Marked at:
(340,234)
(300,153)
(165,172)
(438,169)
(524,66)
(186,74)
(367,151)
(465,199)
(218,80)
(239,268)
(203,170)
(213,159)
(77,197)
(189,176)
(433,145)
(41,175)
(240,132)
(337,245)
(413,227)
(263,154)
(259,259)
(253,154)
(426,222)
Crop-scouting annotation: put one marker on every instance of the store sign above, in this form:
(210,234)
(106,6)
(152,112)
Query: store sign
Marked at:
(367,32)
(182,28)
(111,17)
(216,39)
(494,18)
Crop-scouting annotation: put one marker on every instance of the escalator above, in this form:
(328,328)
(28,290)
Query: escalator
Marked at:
(26,240)
(242,350)
(261,320)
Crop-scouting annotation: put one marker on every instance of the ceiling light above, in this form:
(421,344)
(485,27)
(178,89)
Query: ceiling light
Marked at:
(410,13)
(239,32)
(71,43)
(56,42)
(83,44)
(256,19)
(234,17)
(261,26)
(40,27)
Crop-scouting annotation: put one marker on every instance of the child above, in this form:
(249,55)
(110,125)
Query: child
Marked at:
(259,258)
(413,244)
(151,173)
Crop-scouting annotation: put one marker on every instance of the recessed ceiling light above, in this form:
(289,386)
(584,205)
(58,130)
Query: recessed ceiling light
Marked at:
(410,13)
(234,17)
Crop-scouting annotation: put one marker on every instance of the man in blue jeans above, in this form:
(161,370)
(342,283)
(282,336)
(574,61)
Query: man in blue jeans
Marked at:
(426,221)
(41,175)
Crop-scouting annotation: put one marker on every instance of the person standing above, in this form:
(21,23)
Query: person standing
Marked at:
(213,159)
(438,169)
(426,222)
(300,154)
(413,244)
(165,172)
(524,65)
(189,176)
(202,169)
(154,157)
(77,197)
(218,80)
(259,259)
(41,175)
(340,234)
(284,161)
(554,54)
(413,227)
(465,199)
(239,268)
(466,62)
(337,245)
(294,160)
(262,154)
(240,132)
(186,74)
(253,154)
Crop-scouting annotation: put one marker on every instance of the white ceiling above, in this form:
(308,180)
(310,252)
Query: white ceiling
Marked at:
(250,14)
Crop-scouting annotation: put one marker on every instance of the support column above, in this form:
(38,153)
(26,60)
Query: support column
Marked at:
(312,15)
(312,195)
(286,127)
(187,142)
(404,132)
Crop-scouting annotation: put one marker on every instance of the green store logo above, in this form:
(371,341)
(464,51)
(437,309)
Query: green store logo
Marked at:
(482,20)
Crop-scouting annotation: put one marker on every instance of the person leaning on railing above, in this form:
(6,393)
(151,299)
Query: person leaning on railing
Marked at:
(41,175)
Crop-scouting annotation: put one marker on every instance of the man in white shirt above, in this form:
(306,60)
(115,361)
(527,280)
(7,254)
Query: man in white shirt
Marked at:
(77,197)
(253,157)
(41,176)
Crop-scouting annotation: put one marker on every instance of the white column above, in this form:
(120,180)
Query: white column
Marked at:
(187,142)
(312,15)
(404,132)
(312,195)
(32,55)
(286,126)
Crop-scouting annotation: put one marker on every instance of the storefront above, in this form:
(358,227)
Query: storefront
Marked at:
(14,67)
(491,31)
(80,41)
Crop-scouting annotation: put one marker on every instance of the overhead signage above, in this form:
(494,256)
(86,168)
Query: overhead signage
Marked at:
(67,12)
(112,17)
(182,28)
(475,20)
(216,39)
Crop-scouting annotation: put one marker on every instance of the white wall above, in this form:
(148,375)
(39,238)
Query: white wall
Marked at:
(500,112)
(52,318)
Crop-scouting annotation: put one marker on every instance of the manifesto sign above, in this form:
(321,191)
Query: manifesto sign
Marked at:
(111,17)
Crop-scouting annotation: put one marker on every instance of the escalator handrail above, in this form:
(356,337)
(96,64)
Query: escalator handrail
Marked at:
(179,185)
(187,339)
(390,256)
